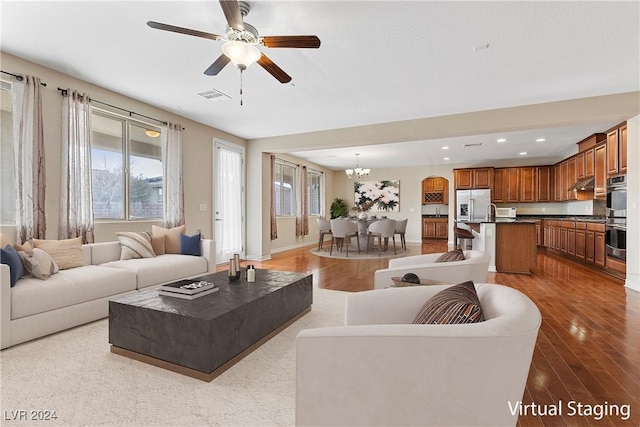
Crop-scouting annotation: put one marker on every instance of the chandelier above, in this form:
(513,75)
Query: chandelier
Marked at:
(357,172)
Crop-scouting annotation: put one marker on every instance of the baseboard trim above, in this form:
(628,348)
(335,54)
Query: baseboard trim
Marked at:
(633,282)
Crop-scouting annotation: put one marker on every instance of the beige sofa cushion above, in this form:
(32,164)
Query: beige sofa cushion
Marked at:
(68,287)
(162,269)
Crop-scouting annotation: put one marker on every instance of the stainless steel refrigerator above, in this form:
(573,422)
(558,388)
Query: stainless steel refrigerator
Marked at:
(472,205)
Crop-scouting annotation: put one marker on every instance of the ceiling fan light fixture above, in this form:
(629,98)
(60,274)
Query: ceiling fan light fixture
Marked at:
(242,54)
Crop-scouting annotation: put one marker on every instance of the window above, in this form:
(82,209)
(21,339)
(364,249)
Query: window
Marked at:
(7,165)
(285,190)
(314,192)
(127,168)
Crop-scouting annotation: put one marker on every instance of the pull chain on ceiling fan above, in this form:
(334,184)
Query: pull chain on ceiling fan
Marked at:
(241,40)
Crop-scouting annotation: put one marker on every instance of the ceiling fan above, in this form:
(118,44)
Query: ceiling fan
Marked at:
(241,40)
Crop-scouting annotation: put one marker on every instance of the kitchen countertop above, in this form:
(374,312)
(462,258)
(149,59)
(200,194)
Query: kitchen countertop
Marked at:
(435,216)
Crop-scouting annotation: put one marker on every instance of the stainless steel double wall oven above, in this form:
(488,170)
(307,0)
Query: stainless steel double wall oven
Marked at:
(616,230)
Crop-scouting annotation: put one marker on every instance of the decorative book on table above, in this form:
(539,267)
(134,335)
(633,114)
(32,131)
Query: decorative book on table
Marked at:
(172,294)
(188,287)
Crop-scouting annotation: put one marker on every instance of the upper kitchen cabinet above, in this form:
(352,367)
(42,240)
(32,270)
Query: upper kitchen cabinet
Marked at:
(544,183)
(475,178)
(435,190)
(600,177)
(528,184)
(617,150)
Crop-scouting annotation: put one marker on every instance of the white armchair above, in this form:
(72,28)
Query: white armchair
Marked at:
(379,369)
(475,267)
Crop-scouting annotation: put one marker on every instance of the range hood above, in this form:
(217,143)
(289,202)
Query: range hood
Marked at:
(583,185)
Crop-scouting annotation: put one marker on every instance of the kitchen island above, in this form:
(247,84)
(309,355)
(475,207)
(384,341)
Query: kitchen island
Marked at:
(511,244)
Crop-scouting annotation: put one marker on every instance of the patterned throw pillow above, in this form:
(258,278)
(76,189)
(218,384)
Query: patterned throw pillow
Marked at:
(454,255)
(135,244)
(454,305)
(38,263)
(172,237)
(66,253)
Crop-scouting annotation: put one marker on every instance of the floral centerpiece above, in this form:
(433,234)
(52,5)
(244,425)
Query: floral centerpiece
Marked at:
(363,208)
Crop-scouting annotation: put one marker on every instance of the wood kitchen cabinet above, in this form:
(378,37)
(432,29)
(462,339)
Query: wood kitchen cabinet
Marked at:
(600,176)
(435,228)
(589,163)
(581,235)
(478,178)
(595,244)
(528,184)
(543,187)
(512,178)
(497,195)
(580,170)
(617,150)
(559,181)
(435,190)
(571,178)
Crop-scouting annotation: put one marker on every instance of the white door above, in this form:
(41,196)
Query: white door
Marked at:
(229,201)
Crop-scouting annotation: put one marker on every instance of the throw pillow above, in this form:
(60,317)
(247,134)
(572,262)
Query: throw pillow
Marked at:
(454,255)
(172,237)
(10,257)
(190,245)
(134,245)
(26,246)
(38,263)
(454,305)
(157,243)
(66,253)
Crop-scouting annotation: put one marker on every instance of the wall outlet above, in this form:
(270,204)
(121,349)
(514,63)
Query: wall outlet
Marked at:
(544,209)
(203,208)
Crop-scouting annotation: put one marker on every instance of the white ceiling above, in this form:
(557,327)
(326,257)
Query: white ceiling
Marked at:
(378,62)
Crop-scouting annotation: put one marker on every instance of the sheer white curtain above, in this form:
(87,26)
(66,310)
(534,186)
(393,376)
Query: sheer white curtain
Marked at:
(302,207)
(29,158)
(229,200)
(76,207)
(172,186)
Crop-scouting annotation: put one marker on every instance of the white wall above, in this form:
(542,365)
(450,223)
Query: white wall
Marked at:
(197,150)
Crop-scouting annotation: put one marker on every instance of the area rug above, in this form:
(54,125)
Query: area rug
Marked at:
(353,254)
(74,374)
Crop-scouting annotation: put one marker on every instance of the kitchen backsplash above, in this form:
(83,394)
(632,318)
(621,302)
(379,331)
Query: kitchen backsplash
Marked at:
(435,209)
(583,207)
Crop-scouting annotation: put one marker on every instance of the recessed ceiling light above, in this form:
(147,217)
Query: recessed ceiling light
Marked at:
(540,140)
(446,158)
(501,140)
(524,153)
(445,147)
(481,47)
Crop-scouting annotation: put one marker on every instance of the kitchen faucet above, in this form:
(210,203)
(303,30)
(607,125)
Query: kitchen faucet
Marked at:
(489,216)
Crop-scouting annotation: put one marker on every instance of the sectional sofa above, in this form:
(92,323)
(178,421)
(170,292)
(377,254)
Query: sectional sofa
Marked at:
(34,308)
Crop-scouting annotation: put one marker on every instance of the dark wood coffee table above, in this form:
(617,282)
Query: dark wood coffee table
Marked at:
(203,337)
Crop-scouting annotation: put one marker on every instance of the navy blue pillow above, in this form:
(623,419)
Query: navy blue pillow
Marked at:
(190,245)
(10,257)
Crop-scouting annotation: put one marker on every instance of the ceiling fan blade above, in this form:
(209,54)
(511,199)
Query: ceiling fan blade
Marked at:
(273,69)
(181,30)
(310,42)
(231,11)
(217,65)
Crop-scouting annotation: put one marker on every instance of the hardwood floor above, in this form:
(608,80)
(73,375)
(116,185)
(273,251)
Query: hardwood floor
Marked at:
(588,347)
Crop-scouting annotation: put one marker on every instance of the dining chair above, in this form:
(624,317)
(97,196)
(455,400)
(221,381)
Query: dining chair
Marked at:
(341,231)
(383,229)
(324,228)
(401,227)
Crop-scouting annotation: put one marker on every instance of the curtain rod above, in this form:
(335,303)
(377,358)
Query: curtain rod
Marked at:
(19,77)
(287,161)
(64,92)
(314,170)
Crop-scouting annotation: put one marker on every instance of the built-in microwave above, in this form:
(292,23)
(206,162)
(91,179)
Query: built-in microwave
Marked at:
(505,212)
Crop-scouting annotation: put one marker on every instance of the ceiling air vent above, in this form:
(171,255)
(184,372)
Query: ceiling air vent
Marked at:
(215,95)
(477,144)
